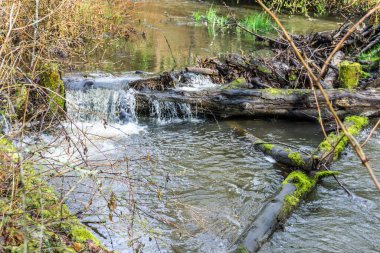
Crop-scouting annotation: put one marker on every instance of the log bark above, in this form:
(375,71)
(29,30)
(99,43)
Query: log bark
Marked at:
(267,102)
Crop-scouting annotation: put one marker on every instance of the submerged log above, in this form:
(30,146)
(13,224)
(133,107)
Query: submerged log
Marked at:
(284,154)
(291,103)
(295,187)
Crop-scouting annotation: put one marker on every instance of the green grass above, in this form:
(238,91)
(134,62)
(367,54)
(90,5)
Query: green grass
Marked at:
(214,19)
(254,22)
(197,16)
(257,22)
(371,55)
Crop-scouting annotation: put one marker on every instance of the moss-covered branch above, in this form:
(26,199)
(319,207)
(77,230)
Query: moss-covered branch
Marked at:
(296,187)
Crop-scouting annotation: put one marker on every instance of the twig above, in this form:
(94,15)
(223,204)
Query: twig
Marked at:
(371,133)
(340,183)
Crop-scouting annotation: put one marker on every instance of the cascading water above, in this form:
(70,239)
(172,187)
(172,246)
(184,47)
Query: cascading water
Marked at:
(195,82)
(169,112)
(113,106)
(108,99)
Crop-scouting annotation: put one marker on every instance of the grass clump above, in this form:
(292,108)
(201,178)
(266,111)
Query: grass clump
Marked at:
(373,54)
(257,22)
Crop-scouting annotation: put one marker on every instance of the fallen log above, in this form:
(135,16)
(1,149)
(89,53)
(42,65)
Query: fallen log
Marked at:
(283,154)
(289,103)
(295,187)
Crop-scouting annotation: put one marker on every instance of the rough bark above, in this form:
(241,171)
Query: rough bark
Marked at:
(267,102)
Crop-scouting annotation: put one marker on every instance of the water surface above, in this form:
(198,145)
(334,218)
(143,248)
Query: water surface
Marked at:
(168,37)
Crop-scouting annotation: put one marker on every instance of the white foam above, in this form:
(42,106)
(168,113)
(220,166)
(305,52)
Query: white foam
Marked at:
(197,82)
(99,130)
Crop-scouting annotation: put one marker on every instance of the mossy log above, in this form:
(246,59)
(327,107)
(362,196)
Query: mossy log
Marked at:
(289,103)
(295,187)
(50,79)
(282,154)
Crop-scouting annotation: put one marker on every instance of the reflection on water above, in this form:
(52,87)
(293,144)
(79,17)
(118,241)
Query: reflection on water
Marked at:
(159,20)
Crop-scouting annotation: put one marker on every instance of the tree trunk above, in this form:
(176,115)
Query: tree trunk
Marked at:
(292,103)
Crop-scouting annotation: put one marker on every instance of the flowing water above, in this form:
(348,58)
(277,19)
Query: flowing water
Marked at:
(171,181)
(211,182)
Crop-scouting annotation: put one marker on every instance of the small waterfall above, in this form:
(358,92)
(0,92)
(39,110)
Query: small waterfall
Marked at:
(170,112)
(193,82)
(94,105)
(107,98)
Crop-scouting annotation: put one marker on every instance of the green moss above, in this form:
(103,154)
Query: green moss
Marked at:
(358,121)
(241,249)
(292,76)
(326,173)
(349,74)
(304,185)
(264,70)
(7,150)
(80,234)
(20,99)
(50,79)
(274,91)
(267,147)
(296,159)
(354,125)
(237,83)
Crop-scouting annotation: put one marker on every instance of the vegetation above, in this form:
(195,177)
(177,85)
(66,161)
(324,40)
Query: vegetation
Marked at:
(257,22)
(37,38)
(320,7)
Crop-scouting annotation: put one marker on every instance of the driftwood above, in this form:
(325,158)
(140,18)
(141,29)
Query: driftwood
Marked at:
(203,71)
(267,102)
(295,187)
(284,70)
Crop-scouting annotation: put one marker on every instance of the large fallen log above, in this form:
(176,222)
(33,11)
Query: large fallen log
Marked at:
(293,103)
(294,188)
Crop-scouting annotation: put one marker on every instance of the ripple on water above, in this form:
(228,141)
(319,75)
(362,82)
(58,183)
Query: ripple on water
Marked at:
(331,221)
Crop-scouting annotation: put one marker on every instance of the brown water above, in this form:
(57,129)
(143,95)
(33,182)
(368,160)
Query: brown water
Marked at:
(173,19)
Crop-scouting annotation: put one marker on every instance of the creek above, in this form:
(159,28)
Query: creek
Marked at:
(183,183)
